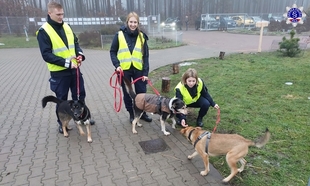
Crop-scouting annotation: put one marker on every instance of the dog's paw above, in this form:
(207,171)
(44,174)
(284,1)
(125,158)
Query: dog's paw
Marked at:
(89,140)
(66,134)
(134,132)
(189,157)
(139,124)
(225,181)
(240,170)
(166,133)
(203,173)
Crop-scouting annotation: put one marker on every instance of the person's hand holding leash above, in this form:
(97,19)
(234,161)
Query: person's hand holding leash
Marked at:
(119,69)
(79,60)
(216,106)
(144,78)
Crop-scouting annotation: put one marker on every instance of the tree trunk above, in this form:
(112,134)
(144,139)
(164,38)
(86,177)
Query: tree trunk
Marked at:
(165,85)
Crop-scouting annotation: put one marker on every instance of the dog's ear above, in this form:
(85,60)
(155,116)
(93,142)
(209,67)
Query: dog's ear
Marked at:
(71,102)
(81,102)
(183,131)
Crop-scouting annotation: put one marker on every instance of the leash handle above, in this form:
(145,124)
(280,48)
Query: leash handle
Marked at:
(218,119)
(148,82)
(117,90)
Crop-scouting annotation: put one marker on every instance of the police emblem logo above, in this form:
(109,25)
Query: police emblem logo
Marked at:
(294,15)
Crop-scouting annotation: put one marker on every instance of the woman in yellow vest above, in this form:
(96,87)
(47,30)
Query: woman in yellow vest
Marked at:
(129,53)
(194,93)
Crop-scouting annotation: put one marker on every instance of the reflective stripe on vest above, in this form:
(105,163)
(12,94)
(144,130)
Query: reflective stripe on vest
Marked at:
(187,98)
(59,47)
(125,57)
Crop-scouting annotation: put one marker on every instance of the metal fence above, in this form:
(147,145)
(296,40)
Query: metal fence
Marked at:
(17,25)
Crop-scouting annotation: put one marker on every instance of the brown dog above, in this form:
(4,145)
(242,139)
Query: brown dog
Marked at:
(234,146)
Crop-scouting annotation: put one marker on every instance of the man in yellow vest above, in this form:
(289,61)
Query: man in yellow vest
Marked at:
(61,51)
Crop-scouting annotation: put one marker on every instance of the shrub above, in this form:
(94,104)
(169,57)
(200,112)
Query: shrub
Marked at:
(289,47)
(109,29)
(90,39)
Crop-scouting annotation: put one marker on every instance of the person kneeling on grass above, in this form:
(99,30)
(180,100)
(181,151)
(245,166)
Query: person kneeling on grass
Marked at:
(194,93)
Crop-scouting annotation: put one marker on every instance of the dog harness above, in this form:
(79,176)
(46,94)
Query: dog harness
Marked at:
(200,137)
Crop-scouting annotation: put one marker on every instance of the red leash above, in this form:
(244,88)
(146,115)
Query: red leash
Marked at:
(218,119)
(117,89)
(78,60)
(148,82)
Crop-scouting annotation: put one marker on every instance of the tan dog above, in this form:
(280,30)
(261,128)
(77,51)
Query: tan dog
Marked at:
(234,146)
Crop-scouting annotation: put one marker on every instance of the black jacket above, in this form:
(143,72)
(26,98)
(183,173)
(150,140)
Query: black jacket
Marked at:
(131,39)
(46,49)
(193,92)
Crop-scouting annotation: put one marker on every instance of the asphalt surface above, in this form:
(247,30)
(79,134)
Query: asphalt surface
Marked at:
(32,152)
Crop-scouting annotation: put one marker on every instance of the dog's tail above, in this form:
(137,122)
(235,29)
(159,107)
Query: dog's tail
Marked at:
(50,99)
(263,139)
(129,88)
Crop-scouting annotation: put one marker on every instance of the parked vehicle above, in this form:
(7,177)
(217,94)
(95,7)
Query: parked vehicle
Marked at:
(258,19)
(226,22)
(172,24)
(206,22)
(243,21)
(276,18)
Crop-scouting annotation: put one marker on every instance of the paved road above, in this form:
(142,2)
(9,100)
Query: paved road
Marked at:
(33,153)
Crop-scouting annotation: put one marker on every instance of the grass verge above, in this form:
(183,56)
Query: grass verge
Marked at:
(252,94)
(11,41)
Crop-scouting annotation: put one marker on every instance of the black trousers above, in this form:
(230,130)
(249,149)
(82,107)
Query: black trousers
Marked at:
(140,86)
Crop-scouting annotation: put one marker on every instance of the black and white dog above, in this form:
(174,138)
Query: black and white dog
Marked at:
(165,107)
(71,109)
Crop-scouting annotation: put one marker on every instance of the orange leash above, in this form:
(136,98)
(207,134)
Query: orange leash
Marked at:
(148,82)
(117,89)
(218,119)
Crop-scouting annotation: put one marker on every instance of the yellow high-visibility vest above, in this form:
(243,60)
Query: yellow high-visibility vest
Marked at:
(187,98)
(125,57)
(58,46)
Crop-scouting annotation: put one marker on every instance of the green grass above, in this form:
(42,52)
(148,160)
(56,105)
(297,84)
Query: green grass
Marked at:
(251,92)
(11,41)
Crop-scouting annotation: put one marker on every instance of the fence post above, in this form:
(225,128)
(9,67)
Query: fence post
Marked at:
(7,21)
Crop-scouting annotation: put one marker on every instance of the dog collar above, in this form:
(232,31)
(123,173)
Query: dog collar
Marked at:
(190,134)
(170,105)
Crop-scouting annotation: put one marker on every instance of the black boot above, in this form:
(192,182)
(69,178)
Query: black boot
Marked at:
(146,118)
(199,122)
(131,116)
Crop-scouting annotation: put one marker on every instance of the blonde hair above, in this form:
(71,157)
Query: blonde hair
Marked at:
(132,14)
(135,15)
(52,5)
(189,73)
